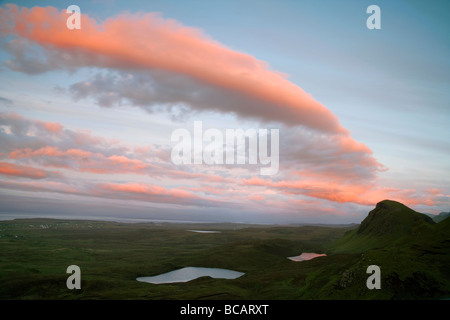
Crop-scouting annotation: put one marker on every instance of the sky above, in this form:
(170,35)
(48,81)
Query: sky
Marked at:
(87,115)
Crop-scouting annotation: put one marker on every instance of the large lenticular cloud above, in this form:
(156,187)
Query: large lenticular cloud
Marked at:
(148,42)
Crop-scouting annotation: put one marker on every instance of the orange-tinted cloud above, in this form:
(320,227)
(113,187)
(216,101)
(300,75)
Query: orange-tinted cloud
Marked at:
(342,192)
(29,153)
(147,42)
(153,193)
(15,170)
(53,127)
(82,160)
(146,189)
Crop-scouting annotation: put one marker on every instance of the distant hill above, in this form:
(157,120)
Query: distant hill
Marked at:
(440,217)
(388,222)
(391,218)
(412,251)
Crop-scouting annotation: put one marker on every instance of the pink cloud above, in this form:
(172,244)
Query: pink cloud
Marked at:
(49,151)
(152,193)
(53,127)
(134,188)
(147,41)
(82,160)
(342,193)
(256,197)
(11,169)
(434,191)
(131,164)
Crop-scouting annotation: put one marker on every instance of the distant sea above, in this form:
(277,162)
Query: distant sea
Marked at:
(12,216)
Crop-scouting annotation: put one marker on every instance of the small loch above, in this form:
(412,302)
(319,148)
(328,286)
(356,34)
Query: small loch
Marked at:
(191,273)
(306,256)
(204,231)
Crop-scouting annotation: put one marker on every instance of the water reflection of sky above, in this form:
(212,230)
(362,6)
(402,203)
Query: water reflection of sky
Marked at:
(191,273)
(306,256)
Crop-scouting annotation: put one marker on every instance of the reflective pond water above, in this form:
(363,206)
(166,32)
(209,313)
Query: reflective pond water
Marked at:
(191,273)
(307,256)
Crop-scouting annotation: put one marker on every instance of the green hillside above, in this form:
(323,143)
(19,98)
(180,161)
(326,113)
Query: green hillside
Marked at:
(411,250)
(385,225)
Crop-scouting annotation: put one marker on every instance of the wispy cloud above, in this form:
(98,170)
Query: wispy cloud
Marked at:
(6,102)
(11,169)
(34,149)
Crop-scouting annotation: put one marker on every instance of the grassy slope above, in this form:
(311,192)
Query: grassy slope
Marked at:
(387,224)
(412,252)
